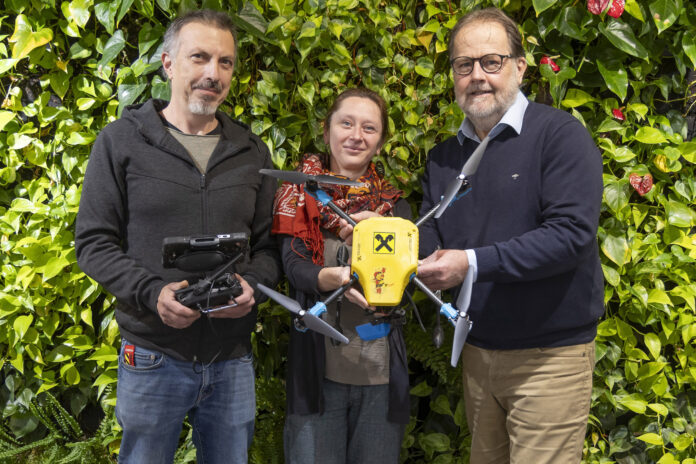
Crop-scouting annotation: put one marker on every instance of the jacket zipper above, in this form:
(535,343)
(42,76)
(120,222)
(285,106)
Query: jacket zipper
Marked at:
(204,204)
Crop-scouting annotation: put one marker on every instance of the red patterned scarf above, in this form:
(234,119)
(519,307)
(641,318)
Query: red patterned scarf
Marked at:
(299,215)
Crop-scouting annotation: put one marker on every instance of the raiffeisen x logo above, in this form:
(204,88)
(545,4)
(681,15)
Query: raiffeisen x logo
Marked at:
(381,242)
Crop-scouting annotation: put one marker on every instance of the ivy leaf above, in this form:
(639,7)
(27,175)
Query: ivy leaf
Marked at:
(577,97)
(123,9)
(661,409)
(113,47)
(59,354)
(424,67)
(424,38)
(25,39)
(5,117)
(441,405)
(615,196)
(542,5)
(688,151)
(611,275)
(250,20)
(422,389)
(70,374)
(306,91)
(679,214)
(105,13)
(649,135)
(621,36)
(21,325)
(683,441)
(634,404)
(164,4)
(60,83)
(53,267)
(652,342)
(615,77)
(689,44)
(127,93)
(79,12)
(433,442)
(149,36)
(651,438)
(616,249)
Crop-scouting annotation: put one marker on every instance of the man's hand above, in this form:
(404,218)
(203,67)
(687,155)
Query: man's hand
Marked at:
(346,231)
(245,302)
(443,269)
(173,313)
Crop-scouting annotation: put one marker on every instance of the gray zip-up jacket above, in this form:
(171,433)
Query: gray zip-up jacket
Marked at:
(141,186)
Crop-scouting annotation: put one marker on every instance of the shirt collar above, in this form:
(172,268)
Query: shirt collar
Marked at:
(513,117)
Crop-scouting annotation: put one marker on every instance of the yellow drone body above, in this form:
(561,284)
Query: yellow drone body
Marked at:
(385,256)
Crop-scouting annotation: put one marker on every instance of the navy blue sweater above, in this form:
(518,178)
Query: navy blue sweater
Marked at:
(531,218)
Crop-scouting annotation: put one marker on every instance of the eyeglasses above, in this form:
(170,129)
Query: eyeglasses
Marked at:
(491,63)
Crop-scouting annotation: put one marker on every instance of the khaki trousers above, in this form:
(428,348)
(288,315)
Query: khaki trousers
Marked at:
(528,406)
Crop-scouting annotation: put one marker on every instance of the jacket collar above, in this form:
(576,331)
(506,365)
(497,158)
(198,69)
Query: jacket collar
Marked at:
(235,135)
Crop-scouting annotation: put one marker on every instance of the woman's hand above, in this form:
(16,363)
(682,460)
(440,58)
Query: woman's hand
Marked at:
(346,230)
(354,296)
(330,278)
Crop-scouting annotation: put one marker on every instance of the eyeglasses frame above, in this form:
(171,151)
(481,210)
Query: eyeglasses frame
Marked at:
(475,60)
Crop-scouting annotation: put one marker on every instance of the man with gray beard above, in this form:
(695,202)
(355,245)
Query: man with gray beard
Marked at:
(173,169)
(522,246)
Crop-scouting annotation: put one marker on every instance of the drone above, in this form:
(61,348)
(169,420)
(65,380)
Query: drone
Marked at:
(384,259)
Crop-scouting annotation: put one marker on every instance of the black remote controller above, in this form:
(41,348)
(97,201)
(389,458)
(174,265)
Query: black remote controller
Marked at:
(206,294)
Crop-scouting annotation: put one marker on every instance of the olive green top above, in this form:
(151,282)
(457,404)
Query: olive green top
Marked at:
(359,362)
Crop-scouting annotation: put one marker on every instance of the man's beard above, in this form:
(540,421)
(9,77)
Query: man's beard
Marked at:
(478,111)
(203,106)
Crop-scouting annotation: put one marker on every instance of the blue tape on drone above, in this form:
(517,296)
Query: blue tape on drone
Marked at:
(373,331)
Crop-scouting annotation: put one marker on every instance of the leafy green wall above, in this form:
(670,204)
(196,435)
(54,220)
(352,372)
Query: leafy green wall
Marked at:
(68,68)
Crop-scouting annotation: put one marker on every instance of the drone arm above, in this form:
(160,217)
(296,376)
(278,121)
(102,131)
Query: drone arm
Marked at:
(340,290)
(321,196)
(446,309)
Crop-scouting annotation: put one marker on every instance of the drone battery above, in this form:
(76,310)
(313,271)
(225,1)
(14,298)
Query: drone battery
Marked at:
(385,256)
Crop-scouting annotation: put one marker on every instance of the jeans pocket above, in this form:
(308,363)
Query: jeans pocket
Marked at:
(142,359)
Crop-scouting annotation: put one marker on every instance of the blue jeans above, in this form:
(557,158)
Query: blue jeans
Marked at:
(353,428)
(155,395)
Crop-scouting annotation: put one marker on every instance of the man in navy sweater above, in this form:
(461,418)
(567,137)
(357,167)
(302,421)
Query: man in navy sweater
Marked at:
(526,237)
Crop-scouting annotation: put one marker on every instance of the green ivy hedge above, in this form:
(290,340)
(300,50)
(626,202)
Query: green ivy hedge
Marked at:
(68,68)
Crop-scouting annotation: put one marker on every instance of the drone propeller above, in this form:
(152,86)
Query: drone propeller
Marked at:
(469,169)
(463,325)
(310,320)
(297,177)
(461,331)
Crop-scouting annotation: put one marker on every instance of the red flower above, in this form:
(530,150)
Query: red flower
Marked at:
(616,8)
(597,6)
(546,60)
(618,114)
(642,184)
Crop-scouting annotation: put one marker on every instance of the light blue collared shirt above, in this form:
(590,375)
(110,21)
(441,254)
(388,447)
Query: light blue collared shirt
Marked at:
(513,118)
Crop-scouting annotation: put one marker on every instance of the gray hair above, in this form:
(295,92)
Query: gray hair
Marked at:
(214,18)
(493,15)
